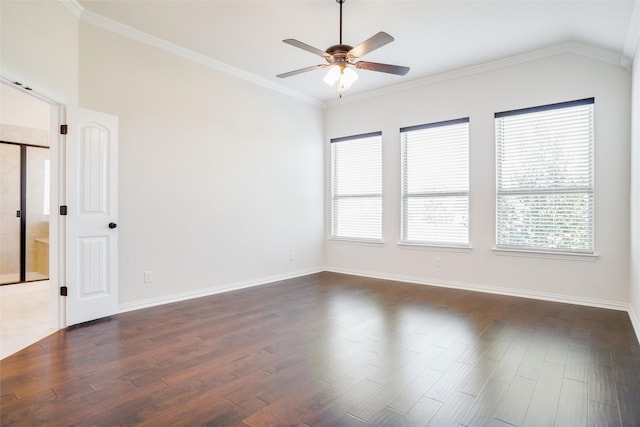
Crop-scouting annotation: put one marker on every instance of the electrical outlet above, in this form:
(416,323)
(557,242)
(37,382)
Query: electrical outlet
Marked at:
(438,262)
(148,276)
(292,256)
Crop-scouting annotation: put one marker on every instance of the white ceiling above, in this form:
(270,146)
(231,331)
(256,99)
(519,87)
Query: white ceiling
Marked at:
(431,37)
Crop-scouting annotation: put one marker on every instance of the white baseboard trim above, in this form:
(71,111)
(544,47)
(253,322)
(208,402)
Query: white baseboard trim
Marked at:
(153,302)
(635,322)
(589,302)
(612,305)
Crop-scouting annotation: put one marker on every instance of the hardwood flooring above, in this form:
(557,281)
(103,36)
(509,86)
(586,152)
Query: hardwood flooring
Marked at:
(334,350)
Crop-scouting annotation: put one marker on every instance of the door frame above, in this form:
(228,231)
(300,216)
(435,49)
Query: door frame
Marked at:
(57,248)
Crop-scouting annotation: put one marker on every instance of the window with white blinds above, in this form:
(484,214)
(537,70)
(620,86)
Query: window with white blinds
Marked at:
(544,159)
(356,187)
(435,183)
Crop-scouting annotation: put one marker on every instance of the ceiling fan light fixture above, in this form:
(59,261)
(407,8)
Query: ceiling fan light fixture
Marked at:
(332,76)
(345,76)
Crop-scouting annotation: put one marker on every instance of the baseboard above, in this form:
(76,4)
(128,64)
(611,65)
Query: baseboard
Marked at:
(611,305)
(153,302)
(589,302)
(635,322)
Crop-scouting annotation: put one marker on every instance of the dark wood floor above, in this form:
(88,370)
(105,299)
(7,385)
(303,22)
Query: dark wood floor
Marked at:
(334,350)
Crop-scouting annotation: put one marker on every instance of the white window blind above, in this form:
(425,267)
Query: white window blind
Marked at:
(544,159)
(356,187)
(435,183)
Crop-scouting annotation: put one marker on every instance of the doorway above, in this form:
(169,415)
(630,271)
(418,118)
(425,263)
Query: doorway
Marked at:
(83,203)
(28,309)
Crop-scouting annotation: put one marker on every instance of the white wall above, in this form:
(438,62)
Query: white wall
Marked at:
(635,195)
(19,109)
(554,79)
(219,179)
(39,44)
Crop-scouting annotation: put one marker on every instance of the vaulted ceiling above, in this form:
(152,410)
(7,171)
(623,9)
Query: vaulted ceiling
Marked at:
(431,37)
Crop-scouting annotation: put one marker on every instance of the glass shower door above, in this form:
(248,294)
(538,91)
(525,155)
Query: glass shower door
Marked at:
(10,198)
(37,214)
(24,213)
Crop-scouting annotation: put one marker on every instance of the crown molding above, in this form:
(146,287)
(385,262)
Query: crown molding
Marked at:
(633,33)
(111,25)
(73,6)
(568,47)
(623,60)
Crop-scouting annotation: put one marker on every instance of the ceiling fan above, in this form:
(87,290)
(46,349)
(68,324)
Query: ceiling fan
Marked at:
(342,57)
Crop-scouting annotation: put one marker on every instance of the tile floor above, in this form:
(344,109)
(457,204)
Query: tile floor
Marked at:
(15,277)
(24,315)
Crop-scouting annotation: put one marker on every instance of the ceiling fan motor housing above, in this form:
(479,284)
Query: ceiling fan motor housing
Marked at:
(339,54)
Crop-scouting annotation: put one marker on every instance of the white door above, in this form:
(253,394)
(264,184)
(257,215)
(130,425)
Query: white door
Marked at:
(92,213)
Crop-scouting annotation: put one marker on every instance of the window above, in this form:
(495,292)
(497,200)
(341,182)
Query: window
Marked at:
(435,183)
(356,187)
(544,159)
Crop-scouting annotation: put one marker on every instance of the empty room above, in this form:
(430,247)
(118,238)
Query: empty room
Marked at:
(322,213)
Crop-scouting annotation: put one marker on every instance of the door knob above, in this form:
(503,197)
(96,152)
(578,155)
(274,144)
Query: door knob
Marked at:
(112,225)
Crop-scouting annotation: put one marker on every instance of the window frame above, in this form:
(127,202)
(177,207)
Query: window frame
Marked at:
(334,197)
(547,251)
(405,195)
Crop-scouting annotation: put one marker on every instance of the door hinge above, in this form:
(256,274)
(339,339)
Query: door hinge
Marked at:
(63,291)
(63,210)
(64,129)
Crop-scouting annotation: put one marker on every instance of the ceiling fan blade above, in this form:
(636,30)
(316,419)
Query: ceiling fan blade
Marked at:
(383,68)
(308,48)
(371,44)
(301,70)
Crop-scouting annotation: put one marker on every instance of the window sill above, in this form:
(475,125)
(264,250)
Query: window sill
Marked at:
(532,253)
(436,246)
(354,241)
